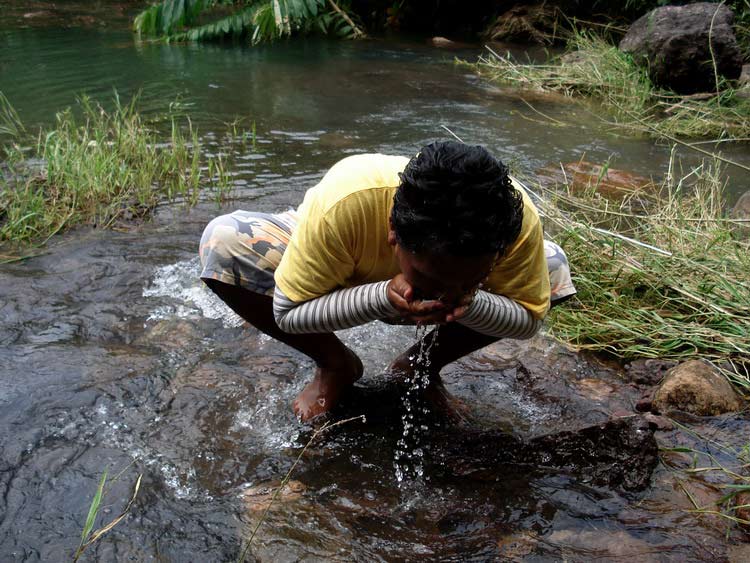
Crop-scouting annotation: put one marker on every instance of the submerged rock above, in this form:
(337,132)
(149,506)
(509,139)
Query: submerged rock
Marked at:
(583,176)
(673,43)
(260,498)
(445,43)
(620,453)
(697,388)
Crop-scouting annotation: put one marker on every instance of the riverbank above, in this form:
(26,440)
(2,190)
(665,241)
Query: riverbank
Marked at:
(597,73)
(661,270)
(106,169)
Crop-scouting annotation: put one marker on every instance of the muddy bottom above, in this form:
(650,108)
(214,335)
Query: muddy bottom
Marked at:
(115,358)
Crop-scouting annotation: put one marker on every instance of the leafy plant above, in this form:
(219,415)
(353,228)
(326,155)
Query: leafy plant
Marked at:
(166,17)
(264,20)
(10,123)
(101,168)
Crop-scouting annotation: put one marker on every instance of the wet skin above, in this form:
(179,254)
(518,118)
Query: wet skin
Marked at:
(431,289)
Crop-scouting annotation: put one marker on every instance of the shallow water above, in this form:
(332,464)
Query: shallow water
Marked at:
(114,356)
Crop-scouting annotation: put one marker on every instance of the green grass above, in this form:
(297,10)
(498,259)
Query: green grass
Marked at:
(98,168)
(660,274)
(596,70)
(723,465)
(88,535)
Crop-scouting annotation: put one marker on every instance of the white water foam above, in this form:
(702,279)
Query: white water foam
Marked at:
(180,281)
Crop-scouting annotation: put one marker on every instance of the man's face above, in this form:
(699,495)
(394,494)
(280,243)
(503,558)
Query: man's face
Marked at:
(439,276)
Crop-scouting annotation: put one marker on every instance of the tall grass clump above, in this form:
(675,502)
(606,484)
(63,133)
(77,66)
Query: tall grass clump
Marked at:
(594,69)
(660,274)
(96,168)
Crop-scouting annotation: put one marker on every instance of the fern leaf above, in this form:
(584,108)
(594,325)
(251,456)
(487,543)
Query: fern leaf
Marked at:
(312,6)
(164,18)
(234,24)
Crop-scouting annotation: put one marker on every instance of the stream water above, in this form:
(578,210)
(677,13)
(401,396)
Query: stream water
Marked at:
(115,357)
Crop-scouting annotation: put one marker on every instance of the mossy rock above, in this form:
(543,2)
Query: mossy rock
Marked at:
(697,388)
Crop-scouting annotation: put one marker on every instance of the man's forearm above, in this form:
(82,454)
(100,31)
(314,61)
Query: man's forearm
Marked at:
(498,316)
(340,309)
(489,314)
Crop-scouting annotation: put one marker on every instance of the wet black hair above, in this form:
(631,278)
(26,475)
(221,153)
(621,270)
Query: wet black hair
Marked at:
(456,199)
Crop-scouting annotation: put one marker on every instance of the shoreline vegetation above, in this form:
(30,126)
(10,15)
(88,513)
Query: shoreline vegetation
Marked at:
(660,273)
(595,71)
(97,167)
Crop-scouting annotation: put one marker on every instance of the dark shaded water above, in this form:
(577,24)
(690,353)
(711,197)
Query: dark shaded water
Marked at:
(115,357)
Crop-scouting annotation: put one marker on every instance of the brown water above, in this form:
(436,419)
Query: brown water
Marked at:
(115,357)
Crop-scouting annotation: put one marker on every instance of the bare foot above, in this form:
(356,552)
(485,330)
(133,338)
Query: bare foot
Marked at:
(325,389)
(438,397)
(447,404)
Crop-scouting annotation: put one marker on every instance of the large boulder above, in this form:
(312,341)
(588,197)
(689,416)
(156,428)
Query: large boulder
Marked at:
(673,42)
(697,388)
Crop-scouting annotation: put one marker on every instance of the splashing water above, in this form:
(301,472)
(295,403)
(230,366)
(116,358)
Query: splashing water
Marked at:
(409,455)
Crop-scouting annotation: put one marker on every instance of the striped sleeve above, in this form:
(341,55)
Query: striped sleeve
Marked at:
(496,315)
(340,309)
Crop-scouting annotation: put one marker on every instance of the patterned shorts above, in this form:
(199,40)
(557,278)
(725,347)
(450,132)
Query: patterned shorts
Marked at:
(244,248)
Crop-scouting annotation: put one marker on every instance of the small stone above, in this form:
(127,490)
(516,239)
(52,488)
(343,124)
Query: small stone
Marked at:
(738,553)
(741,209)
(697,388)
(446,43)
(744,79)
(658,422)
(517,546)
(645,403)
(742,501)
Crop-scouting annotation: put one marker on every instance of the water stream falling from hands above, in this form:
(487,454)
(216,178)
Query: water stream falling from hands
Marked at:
(409,454)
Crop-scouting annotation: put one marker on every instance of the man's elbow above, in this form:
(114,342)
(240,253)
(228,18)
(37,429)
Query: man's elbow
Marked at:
(531,330)
(282,318)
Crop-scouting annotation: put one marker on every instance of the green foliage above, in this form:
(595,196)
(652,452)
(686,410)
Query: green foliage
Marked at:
(262,20)
(98,169)
(169,15)
(595,69)
(660,273)
(93,509)
(89,536)
(10,123)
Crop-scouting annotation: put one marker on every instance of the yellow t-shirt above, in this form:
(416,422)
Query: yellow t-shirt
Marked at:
(341,239)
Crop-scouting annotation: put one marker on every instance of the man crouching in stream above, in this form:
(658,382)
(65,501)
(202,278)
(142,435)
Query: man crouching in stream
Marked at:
(446,237)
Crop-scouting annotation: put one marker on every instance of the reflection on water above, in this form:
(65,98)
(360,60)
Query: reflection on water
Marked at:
(114,356)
